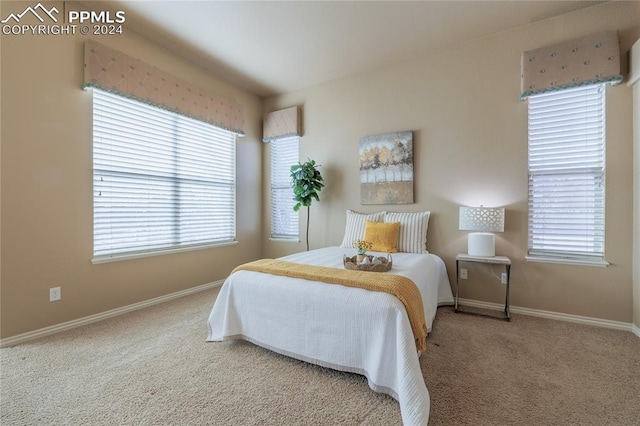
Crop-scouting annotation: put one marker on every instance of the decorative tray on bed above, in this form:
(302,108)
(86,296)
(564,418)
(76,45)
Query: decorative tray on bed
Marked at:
(372,264)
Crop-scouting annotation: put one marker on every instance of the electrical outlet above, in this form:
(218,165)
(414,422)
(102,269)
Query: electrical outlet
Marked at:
(463,274)
(503,278)
(54,294)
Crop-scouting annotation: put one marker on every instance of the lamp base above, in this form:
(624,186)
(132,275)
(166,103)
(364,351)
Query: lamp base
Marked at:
(481,244)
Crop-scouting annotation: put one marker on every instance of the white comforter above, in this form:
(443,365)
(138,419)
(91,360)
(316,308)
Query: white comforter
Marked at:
(344,328)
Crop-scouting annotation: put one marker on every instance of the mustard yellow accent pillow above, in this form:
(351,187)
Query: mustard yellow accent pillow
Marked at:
(383,236)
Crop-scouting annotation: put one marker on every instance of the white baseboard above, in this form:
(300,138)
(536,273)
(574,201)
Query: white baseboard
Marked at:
(47,331)
(554,315)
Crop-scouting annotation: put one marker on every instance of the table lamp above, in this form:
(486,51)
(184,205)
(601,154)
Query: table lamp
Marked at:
(486,220)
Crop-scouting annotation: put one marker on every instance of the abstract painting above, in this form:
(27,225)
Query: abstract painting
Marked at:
(386,168)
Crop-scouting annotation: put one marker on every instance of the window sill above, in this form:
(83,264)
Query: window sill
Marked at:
(137,255)
(567,261)
(284,240)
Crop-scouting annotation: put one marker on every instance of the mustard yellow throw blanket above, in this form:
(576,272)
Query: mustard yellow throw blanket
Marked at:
(401,287)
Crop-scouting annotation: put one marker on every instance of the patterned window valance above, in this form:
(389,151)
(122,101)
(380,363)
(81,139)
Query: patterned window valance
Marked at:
(588,60)
(114,71)
(282,124)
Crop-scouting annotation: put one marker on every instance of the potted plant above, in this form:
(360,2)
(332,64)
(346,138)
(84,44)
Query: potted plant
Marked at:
(363,246)
(307,182)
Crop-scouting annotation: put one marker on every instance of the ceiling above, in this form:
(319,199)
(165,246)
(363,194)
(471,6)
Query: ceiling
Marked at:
(270,47)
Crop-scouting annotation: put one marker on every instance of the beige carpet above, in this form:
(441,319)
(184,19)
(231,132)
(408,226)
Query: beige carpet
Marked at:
(153,367)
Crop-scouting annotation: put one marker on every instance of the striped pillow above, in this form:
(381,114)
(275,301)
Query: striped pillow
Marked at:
(354,230)
(413,230)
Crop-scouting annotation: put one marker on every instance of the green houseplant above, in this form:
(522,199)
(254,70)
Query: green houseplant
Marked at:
(307,182)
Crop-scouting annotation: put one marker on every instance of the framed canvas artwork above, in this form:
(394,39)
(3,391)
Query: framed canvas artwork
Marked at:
(386,168)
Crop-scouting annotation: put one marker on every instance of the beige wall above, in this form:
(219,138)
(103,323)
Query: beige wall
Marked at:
(470,147)
(46,180)
(634,80)
(636,214)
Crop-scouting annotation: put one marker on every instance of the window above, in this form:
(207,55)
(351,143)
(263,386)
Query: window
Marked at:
(161,181)
(284,221)
(567,175)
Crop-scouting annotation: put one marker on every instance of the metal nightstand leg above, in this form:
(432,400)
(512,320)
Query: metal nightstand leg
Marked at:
(457,284)
(506,303)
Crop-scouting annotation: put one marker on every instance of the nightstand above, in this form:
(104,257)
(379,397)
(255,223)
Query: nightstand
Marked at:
(494,260)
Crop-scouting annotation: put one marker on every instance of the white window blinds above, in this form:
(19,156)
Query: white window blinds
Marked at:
(161,180)
(284,221)
(567,173)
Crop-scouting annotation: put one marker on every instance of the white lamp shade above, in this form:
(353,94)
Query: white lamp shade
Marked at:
(481,244)
(487,219)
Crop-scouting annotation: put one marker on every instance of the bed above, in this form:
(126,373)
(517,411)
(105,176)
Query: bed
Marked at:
(344,328)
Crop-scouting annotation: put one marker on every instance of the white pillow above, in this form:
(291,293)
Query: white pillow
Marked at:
(413,230)
(354,230)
